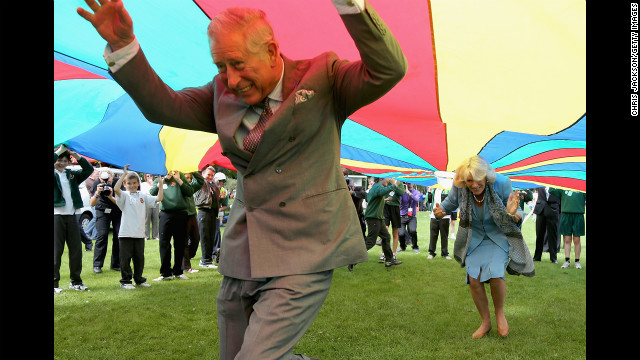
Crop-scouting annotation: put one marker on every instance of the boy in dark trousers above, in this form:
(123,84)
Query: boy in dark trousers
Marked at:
(66,199)
(133,204)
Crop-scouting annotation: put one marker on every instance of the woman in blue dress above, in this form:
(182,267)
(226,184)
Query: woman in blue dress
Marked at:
(488,239)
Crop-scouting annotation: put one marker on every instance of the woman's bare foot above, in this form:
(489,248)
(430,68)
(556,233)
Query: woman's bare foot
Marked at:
(482,331)
(503,326)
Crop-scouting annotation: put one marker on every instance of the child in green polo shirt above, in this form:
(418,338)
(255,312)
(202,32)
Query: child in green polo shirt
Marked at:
(571,222)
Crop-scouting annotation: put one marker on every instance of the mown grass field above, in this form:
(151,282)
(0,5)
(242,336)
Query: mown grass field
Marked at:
(420,309)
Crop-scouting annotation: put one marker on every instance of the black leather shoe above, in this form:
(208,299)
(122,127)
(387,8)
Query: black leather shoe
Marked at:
(97,270)
(301,357)
(392,262)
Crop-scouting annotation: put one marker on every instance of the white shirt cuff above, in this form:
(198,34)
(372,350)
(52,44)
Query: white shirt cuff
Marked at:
(348,6)
(116,59)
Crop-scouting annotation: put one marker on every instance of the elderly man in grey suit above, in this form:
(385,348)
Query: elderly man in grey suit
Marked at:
(274,117)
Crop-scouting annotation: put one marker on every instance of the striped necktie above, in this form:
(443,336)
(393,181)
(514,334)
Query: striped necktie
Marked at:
(251,141)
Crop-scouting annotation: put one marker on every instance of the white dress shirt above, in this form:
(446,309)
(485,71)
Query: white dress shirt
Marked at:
(68,208)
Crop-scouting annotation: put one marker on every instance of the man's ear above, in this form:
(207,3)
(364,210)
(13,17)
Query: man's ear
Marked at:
(273,52)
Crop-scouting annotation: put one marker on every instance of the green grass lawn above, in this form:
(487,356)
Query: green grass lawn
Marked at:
(420,309)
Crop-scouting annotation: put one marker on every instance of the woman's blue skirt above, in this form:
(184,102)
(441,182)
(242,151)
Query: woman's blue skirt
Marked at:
(487,261)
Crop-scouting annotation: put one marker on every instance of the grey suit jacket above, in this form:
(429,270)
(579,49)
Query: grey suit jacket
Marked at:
(292,213)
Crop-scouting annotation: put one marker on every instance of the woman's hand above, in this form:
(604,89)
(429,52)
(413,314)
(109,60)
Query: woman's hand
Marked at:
(512,206)
(513,203)
(438,211)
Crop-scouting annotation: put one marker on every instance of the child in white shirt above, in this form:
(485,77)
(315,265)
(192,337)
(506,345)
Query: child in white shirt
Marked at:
(133,204)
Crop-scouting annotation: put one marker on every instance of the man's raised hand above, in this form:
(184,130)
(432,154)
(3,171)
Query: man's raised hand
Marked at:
(111,20)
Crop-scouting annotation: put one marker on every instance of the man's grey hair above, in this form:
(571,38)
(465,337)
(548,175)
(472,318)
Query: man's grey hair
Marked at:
(250,22)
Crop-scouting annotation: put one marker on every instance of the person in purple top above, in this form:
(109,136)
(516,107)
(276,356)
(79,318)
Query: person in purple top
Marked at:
(408,222)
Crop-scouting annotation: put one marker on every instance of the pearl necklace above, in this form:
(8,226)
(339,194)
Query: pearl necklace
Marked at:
(480,201)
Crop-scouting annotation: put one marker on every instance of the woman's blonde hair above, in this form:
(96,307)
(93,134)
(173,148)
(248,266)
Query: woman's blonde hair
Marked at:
(478,167)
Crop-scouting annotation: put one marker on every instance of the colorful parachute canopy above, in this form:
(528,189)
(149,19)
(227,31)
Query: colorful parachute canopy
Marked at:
(503,79)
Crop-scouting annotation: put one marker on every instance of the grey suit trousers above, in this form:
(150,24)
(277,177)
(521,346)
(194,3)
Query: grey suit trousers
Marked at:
(265,319)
